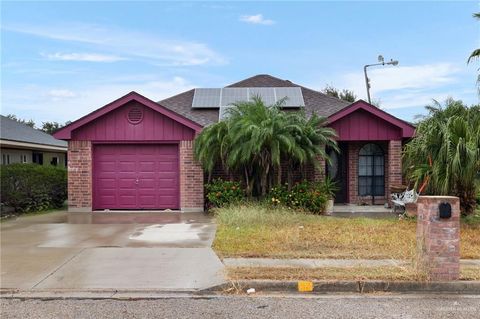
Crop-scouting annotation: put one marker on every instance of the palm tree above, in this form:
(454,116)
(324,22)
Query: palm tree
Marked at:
(259,136)
(444,156)
(255,138)
(212,146)
(476,53)
(312,139)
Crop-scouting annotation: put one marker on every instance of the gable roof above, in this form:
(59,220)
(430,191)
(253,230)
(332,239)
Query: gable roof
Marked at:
(408,130)
(12,130)
(315,102)
(66,132)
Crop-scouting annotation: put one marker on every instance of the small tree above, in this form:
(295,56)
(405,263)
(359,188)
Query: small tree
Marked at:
(444,156)
(51,127)
(30,122)
(346,95)
(255,138)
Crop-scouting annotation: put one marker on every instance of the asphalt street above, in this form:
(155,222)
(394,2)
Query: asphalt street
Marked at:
(257,306)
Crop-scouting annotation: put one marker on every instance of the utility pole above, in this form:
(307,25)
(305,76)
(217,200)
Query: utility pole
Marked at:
(382,62)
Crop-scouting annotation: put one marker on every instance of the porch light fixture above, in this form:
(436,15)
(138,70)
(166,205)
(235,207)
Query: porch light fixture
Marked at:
(381,61)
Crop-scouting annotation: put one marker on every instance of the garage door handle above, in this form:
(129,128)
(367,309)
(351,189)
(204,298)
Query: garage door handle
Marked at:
(136,181)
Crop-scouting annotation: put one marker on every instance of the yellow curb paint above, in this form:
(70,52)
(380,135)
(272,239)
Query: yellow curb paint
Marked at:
(305,286)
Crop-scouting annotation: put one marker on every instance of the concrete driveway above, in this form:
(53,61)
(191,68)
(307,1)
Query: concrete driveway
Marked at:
(162,251)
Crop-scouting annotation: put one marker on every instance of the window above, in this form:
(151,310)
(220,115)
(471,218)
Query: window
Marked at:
(37,158)
(54,161)
(5,159)
(371,171)
(23,158)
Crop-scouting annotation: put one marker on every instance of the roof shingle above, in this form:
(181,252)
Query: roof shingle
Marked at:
(14,131)
(315,102)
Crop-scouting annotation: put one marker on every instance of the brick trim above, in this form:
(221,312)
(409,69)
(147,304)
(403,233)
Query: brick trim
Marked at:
(79,176)
(394,165)
(438,240)
(191,179)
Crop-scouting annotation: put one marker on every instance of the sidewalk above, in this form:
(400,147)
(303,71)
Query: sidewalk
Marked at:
(316,263)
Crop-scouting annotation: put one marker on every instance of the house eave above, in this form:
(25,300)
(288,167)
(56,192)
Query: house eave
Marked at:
(33,146)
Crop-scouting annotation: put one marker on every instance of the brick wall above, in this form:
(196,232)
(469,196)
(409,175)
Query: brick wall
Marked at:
(352,179)
(395,164)
(79,176)
(191,179)
(438,240)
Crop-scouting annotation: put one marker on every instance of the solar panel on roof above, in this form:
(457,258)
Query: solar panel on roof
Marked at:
(233,95)
(206,98)
(223,112)
(266,94)
(293,94)
(216,98)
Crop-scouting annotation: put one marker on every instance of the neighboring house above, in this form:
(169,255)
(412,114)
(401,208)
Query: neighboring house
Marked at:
(20,143)
(135,153)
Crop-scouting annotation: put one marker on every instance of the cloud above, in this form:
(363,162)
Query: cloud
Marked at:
(60,93)
(405,77)
(256,19)
(83,57)
(405,86)
(127,43)
(53,104)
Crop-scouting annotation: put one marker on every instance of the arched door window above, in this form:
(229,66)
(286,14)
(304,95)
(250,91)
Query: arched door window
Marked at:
(371,171)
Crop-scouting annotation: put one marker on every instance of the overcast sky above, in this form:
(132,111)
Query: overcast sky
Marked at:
(61,60)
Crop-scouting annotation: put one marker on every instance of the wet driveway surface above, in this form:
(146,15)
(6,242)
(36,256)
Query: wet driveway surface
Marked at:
(164,251)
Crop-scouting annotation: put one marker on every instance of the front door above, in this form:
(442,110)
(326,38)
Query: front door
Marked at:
(337,171)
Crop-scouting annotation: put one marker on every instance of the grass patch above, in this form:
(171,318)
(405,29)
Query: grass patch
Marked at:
(393,273)
(13,215)
(258,231)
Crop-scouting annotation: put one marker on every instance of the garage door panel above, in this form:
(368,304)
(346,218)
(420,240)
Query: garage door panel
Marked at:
(107,183)
(136,176)
(106,166)
(147,167)
(147,183)
(126,166)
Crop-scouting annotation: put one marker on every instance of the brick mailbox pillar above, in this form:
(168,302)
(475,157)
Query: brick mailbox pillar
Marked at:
(438,237)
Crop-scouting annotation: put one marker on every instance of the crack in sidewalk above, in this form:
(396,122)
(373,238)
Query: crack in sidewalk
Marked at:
(56,269)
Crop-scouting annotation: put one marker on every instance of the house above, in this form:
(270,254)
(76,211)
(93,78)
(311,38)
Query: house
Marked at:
(20,143)
(135,153)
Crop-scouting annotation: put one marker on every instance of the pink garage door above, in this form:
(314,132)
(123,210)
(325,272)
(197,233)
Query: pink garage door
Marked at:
(135,176)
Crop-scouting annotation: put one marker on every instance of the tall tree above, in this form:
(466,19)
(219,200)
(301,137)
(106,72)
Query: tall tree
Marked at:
(346,95)
(444,155)
(30,122)
(475,55)
(51,127)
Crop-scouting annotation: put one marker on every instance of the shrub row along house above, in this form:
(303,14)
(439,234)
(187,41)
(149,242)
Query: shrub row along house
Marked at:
(135,153)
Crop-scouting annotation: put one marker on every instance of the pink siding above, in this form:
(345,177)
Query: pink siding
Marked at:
(114,126)
(361,125)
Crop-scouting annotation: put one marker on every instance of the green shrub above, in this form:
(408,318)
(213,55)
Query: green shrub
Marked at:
(305,195)
(221,193)
(32,187)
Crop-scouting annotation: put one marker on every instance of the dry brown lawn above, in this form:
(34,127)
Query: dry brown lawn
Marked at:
(256,231)
(393,273)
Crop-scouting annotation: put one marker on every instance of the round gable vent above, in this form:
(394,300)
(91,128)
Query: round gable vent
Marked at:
(135,115)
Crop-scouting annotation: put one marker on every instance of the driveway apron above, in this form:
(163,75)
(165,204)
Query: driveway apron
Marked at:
(162,251)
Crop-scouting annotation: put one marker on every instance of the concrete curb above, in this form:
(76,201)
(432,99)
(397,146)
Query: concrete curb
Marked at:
(324,287)
(261,286)
(96,294)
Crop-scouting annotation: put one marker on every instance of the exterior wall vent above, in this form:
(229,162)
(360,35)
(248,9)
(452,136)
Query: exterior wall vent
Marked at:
(135,115)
